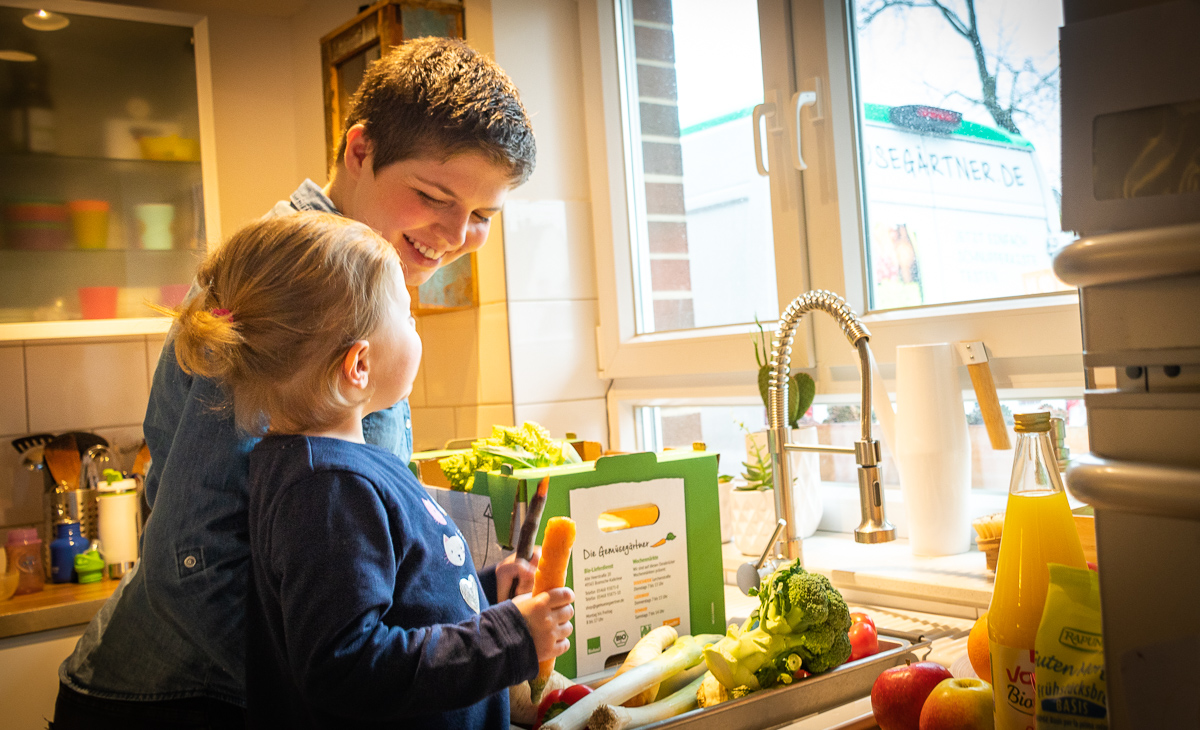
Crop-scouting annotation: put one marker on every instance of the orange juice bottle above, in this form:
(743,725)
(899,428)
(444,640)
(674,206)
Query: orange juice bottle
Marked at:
(1038,530)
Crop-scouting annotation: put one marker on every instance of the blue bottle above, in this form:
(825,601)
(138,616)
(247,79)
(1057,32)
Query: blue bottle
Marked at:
(68,542)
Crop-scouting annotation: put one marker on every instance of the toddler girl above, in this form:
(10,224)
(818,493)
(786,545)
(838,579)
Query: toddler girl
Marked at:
(365,608)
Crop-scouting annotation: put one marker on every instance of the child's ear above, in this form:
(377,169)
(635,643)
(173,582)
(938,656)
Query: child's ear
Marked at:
(356,365)
(358,149)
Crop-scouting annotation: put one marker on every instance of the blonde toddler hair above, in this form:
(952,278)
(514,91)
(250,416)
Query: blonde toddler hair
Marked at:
(277,308)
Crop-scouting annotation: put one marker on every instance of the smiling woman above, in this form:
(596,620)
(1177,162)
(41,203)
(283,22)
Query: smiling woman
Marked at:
(433,211)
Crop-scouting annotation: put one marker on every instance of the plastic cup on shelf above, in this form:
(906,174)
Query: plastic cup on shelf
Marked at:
(172,295)
(155,221)
(89,218)
(98,302)
(36,225)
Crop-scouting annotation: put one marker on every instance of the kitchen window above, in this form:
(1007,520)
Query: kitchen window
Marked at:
(960,253)
(701,239)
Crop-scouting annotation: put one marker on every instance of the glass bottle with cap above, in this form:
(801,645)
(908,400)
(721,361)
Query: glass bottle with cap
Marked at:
(1038,530)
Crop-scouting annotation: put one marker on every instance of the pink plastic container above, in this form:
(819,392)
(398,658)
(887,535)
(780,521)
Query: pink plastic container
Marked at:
(24,549)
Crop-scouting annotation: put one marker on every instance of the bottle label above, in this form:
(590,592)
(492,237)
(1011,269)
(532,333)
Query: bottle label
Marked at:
(1013,687)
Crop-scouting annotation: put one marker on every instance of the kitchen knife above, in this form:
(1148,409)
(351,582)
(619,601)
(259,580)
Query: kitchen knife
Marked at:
(533,518)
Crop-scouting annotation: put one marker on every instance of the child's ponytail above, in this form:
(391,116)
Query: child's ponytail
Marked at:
(207,339)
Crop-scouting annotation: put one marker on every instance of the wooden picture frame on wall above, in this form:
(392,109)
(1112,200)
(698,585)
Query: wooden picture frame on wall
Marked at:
(346,52)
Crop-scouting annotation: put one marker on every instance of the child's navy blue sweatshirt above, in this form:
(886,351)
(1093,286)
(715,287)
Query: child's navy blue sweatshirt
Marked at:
(365,607)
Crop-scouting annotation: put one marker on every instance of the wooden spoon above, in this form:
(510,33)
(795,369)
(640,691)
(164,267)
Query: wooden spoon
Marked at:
(62,457)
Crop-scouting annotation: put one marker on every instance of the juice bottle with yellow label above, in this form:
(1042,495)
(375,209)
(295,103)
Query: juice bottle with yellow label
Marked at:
(1038,530)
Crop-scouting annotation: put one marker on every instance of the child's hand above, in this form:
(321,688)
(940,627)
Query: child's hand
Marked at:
(511,568)
(549,616)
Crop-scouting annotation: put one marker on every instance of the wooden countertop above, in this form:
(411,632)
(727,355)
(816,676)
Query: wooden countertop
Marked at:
(58,605)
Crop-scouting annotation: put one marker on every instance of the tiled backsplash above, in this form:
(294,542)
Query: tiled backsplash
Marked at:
(550,265)
(57,386)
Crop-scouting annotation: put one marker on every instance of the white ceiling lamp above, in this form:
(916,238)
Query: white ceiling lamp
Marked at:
(46,20)
(18,56)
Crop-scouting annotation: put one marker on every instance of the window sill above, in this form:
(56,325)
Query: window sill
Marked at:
(888,575)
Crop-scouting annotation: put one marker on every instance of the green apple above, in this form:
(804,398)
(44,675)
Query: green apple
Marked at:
(959,704)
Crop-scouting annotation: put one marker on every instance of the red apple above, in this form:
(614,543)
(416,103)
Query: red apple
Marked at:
(899,693)
(959,704)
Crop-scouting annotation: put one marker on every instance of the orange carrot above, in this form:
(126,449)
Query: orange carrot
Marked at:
(552,573)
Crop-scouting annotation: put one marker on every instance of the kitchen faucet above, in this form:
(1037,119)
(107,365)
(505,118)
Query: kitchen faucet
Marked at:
(874,527)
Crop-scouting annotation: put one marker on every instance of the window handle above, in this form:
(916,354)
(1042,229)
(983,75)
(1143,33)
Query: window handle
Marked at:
(760,111)
(800,100)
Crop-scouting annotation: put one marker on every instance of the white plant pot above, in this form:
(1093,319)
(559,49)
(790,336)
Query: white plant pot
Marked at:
(806,480)
(752,519)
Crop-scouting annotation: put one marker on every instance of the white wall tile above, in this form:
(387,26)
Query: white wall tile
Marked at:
(554,351)
(587,419)
(12,390)
(548,250)
(537,44)
(490,264)
(154,346)
(477,421)
(86,385)
(495,371)
(451,359)
(432,427)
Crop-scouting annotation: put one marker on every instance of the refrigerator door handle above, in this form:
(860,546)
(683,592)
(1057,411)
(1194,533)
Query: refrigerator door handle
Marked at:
(1148,489)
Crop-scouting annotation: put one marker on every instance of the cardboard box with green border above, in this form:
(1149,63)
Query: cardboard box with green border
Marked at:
(647,551)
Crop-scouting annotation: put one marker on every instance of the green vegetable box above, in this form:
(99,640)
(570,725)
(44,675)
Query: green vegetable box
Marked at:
(647,550)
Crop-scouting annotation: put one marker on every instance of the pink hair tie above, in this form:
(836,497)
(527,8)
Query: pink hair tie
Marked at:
(221,313)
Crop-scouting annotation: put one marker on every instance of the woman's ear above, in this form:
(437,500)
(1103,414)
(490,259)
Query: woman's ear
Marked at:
(356,366)
(358,150)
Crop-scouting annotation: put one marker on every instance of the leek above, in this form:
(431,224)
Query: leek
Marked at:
(685,653)
(607,717)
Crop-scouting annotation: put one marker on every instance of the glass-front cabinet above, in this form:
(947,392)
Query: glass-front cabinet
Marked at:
(105,166)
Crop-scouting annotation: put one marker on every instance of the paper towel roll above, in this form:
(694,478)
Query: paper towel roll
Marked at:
(933,450)
(118,526)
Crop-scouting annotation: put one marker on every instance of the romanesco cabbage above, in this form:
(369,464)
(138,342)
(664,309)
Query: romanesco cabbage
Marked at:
(526,447)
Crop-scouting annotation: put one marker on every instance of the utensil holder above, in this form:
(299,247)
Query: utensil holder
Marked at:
(77,504)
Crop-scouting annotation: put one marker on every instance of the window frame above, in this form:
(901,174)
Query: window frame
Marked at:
(1036,338)
(622,352)
(1035,341)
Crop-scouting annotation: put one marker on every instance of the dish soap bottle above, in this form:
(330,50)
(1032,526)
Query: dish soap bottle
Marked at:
(1038,530)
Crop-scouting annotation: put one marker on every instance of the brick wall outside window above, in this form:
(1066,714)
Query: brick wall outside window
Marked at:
(662,160)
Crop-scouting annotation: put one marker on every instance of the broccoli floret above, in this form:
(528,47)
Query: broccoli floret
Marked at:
(793,600)
(834,657)
(817,639)
(799,613)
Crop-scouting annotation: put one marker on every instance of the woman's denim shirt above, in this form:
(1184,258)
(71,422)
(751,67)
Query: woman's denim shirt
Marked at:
(175,626)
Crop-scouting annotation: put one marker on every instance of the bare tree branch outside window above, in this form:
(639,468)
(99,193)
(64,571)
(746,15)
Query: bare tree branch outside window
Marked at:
(1009,87)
